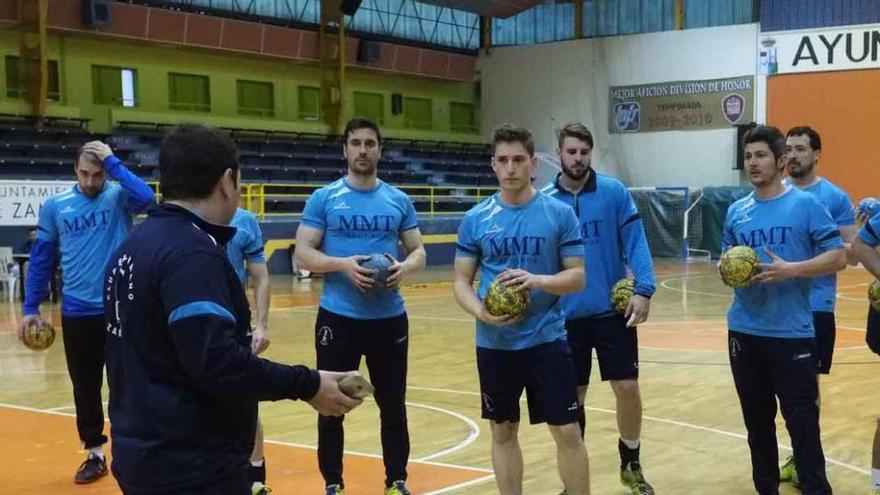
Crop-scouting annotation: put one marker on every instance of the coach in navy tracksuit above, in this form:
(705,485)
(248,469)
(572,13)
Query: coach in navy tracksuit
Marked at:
(184,383)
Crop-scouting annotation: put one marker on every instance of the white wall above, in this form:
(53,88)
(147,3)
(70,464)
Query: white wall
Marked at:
(542,87)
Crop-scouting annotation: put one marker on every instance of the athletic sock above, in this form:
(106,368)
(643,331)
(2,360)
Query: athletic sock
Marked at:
(629,451)
(97,452)
(258,471)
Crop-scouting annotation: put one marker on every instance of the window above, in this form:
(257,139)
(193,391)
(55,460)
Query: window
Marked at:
(417,113)
(309,102)
(462,118)
(15,83)
(256,98)
(113,86)
(189,92)
(369,105)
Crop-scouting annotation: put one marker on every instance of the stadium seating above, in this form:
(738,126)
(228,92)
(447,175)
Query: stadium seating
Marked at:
(45,152)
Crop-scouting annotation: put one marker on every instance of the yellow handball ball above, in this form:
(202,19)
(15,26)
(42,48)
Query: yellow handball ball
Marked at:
(501,300)
(621,293)
(39,336)
(738,265)
(874,295)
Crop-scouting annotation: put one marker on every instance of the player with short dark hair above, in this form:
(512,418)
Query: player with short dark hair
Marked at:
(528,242)
(184,381)
(803,151)
(342,224)
(772,345)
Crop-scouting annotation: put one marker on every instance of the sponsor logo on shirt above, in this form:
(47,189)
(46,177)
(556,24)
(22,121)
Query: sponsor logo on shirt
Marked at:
(590,230)
(367,223)
(78,225)
(514,246)
(777,235)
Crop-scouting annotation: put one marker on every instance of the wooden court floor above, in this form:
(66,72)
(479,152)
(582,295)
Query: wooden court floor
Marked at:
(692,443)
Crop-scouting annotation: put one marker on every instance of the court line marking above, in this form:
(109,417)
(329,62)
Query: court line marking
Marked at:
(681,424)
(664,283)
(379,456)
(278,442)
(473,433)
(650,348)
(465,484)
(471,438)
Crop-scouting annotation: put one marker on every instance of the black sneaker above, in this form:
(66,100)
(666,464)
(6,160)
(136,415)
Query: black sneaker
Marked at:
(89,471)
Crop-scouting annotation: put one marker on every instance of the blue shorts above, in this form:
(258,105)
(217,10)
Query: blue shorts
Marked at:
(617,348)
(544,371)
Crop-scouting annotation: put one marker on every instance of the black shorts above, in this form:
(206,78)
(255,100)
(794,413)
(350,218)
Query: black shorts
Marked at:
(546,373)
(340,342)
(617,348)
(872,334)
(826,333)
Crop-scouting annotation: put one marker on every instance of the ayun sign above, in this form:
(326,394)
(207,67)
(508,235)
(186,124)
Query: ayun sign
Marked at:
(826,49)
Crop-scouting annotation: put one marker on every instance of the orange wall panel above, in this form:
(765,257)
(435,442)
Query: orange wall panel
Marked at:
(844,107)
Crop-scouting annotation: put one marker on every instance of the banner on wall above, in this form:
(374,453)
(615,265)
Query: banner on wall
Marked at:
(682,105)
(20,200)
(849,48)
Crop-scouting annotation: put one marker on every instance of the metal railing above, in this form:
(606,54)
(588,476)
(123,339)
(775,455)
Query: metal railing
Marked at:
(431,201)
(427,199)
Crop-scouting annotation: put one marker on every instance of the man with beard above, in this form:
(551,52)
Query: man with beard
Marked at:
(771,339)
(614,239)
(86,224)
(343,222)
(803,150)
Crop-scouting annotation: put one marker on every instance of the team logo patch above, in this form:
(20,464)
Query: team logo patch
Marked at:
(488,404)
(627,116)
(733,106)
(735,347)
(325,336)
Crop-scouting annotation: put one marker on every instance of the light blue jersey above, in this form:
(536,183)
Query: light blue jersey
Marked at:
(357,222)
(534,237)
(823,294)
(247,245)
(614,238)
(86,231)
(796,227)
(870,233)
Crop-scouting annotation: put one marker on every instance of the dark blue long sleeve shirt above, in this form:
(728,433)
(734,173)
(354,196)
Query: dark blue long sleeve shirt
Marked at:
(614,238)
(184,383)
(86,231)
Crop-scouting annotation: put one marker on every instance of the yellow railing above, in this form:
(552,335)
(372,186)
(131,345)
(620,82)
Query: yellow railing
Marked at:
(427,198)
(254,197)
